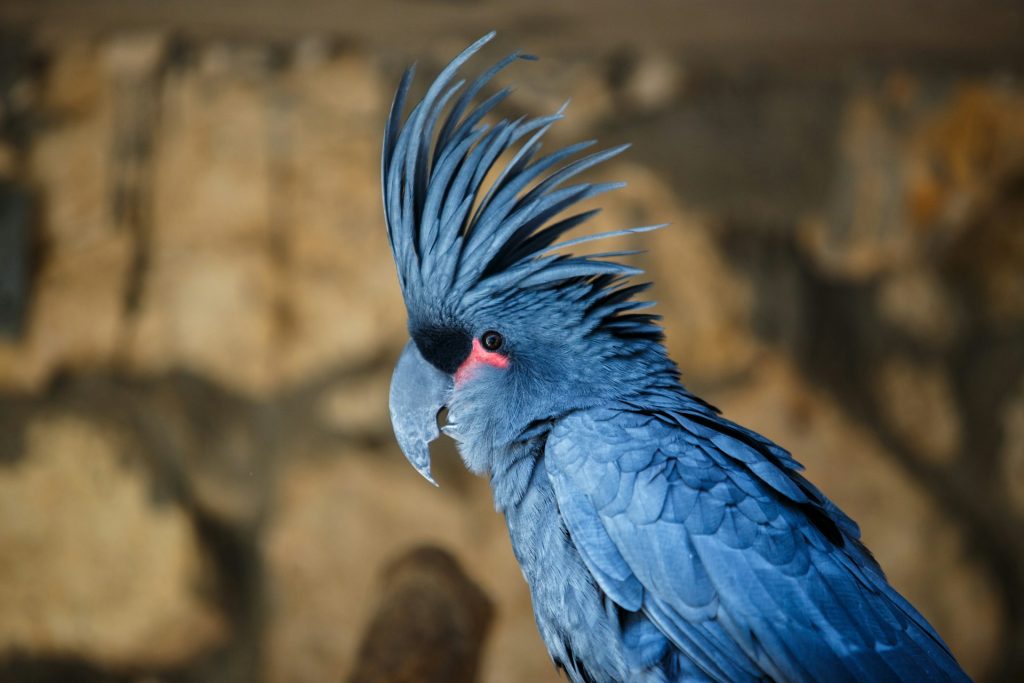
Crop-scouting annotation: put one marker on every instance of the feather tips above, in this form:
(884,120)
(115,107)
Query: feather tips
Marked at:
(458,238)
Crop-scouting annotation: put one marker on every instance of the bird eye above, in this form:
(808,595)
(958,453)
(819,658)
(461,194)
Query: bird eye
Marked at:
(491,340)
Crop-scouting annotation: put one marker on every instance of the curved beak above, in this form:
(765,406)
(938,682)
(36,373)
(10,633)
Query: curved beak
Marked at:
(418,393)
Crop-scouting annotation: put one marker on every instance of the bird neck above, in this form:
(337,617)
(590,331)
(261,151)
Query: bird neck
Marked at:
(513,471)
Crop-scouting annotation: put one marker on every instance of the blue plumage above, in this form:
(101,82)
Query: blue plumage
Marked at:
(661,542)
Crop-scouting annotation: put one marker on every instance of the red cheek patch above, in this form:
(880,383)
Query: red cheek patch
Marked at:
(477,357)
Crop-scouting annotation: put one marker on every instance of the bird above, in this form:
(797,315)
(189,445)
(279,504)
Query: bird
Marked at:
(660,540)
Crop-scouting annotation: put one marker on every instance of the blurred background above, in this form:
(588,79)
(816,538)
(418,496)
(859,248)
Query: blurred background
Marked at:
(199,313)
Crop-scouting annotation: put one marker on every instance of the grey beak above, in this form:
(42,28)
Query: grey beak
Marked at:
(418,393)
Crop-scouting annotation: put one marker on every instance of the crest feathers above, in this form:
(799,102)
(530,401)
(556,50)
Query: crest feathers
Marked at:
(463,241)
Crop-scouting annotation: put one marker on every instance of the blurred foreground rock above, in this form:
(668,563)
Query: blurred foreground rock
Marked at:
(430,624)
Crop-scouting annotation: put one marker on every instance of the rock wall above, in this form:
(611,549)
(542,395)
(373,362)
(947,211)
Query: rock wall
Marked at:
(197,475)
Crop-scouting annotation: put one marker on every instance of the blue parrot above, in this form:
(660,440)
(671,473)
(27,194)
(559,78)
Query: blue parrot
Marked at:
(661,542)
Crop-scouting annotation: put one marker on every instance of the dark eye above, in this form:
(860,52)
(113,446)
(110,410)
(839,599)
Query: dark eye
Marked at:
(491,340)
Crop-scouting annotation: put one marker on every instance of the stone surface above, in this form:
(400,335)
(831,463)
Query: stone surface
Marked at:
(278,239)
(990,258)
(916,302)
(207,301)
(919,406)
(650,82)
(90,566)
(68,159)
(961,153)
(74,317)
(74,82)
(915,172)
(544,86)
(864,230)
(209,312)
(214,444)
(358,405)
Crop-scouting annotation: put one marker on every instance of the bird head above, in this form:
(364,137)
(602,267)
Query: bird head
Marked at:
(508,329)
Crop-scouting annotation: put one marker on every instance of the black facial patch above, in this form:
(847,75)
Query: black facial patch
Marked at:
(444,347)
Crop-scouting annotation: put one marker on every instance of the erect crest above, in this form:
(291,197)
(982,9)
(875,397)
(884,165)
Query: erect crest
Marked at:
(460,242)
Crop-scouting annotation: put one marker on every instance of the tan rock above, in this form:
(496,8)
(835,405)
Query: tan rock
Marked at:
(653,81)
(358,405)
(962,163)
(219,454)
(341,294)
(134,55)
(864,230)
(75,316)
(270,256)
(921,550)
(706,304)
(341,520)
(75,81)
(914,300)
(68,161)
(920,407)
(78,295)
(210,311)
(915,174)
(990,257)
(348,85)
(210,293)
(212,175)
(232,488)
(341,318)
(89,565)
(542,87)
(961,154)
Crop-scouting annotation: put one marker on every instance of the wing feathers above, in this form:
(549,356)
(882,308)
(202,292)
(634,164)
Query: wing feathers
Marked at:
(710,528)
